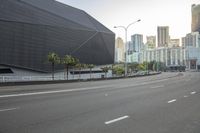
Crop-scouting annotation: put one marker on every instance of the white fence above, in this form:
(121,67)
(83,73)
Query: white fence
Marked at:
(47,78)
(59,77)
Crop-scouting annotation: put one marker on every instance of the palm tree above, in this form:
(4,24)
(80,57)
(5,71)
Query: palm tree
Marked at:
(90,66)
(79,66)
(69,61)
(66,60)
(53,58)
(105,70)
(75,61)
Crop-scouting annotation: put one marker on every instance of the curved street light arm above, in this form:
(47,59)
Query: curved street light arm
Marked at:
(120,27)
(133,23)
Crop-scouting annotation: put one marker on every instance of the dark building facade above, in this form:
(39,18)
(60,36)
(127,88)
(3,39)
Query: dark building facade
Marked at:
(195,18)
(30,29)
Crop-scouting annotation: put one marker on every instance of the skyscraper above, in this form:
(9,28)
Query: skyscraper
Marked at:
(192,40)
(151,42)
(174,43)
(195,18)
(163,36)
(119,50)
(137,42)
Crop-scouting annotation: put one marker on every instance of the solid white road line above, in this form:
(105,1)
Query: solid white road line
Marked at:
(76,89)
(185,96)
(193,93)
(118,119)
(2,110)
(47,92)
(171,101)
(154,87)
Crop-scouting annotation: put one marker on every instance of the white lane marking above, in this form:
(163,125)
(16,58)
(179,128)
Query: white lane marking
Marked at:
(140,84)
(115,120)
(48,92)
(193,93)
(185,96)
(76,89)
(171,101)
(2,110)
(154,87)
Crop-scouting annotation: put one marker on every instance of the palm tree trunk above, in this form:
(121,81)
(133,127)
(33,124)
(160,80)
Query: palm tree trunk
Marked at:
(73,72)
(53,71)
(67,72)
(79,74)
(90,73)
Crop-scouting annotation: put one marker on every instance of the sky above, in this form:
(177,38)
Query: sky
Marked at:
(173,13)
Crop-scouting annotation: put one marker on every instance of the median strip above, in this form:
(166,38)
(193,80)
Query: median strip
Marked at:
(115,120)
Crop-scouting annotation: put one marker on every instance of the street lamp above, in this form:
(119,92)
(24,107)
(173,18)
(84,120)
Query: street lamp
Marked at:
(125,53)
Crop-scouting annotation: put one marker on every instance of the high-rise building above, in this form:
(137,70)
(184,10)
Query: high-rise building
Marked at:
(195,18)
(151,42)
(183,41)
(169,56)
(192,40)
(163,36)
(137,42)
(119,50)
(135,48)
(174,43)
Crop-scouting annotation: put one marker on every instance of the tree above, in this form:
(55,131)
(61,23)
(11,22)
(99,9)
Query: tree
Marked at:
(151,65)
(146,65)
(53,58)
(118,70)
(67,60)
(105,70)
(141,67)
(74,63)
(90,66)
(133,66)
(80,66)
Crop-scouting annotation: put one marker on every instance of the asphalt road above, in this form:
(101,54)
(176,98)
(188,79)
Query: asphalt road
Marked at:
(166,103)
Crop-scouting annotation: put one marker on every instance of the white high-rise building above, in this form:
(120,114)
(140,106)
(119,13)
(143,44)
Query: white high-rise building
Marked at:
(137,48)
(137,42)
(191,40)
(169,56)
(151,42)
(174,43)
(162,36)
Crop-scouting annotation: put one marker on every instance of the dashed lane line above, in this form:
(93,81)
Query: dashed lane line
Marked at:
(171,101)
(117,119)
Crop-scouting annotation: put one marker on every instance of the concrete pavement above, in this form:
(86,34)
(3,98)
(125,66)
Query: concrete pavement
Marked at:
(166,103)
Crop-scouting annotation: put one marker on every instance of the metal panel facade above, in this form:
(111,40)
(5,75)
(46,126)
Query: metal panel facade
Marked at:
(28,33)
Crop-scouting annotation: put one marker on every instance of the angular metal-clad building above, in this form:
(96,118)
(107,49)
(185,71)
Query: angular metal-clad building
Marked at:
(30,29)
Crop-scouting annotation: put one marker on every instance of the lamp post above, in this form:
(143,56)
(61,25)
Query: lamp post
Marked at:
(125,53)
